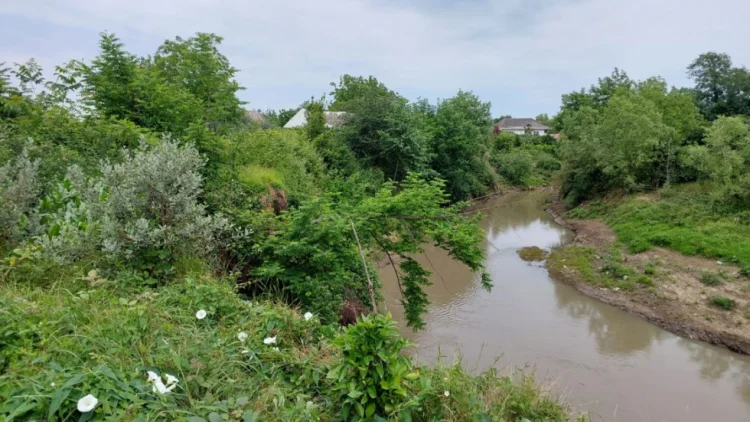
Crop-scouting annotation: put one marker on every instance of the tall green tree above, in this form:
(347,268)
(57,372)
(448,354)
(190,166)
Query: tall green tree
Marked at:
(197,65)
(381,128)
(721,89)
(108,83)
(461,145)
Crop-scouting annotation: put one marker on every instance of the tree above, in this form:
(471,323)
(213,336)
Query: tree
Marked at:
(461,144)
(544,119)
(720,88)
(108,82)
(316,119)
(314,254)
(354,88)
(196,65)
(381,128)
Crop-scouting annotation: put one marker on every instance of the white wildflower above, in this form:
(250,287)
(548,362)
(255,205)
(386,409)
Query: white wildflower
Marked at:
(275,349)
(159,386)
(200,314)
(269,340)
(242,336)
(447,393)
(171,379)
(308,316)
(52,384)
(87,403)
(624,277)
(245,351)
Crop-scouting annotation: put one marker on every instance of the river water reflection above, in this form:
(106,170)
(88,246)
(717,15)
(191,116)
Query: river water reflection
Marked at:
(601,359)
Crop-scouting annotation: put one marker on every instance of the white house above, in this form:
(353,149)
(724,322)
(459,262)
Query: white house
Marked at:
(333,119)
(521,126)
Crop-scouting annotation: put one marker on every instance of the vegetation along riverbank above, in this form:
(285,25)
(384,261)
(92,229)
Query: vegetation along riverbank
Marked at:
(166,253)
(655,271)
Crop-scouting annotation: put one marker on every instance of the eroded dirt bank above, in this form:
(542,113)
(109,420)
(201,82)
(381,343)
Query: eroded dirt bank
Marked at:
(660,285)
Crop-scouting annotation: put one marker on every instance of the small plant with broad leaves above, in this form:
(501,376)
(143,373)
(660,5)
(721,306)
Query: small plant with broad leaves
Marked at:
(371,380)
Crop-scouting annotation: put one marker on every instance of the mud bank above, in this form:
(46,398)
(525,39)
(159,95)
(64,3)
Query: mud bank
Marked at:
(670,296)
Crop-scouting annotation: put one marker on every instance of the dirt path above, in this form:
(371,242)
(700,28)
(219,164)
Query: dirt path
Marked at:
(669,291)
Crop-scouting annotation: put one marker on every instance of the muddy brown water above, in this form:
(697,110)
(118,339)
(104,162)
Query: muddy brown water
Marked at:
(599,359)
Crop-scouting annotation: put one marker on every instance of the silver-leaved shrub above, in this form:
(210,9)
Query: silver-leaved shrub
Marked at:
(143,212)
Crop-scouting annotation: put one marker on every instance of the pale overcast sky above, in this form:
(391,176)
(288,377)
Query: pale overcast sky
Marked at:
(519,54)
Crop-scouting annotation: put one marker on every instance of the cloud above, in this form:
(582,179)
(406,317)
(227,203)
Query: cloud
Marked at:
(520,55)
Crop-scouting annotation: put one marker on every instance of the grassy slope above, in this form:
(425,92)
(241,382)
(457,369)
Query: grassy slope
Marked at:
(683,219)
(99,337)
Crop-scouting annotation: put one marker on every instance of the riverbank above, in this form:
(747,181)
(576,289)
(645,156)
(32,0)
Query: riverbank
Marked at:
(691,296)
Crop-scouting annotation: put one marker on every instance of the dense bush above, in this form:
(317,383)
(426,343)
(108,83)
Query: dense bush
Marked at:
(515,166)
(19,194)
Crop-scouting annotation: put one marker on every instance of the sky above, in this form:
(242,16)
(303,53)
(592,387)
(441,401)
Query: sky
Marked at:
(520,55)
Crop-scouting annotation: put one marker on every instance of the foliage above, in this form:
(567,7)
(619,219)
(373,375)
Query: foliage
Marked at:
(19,194)
(316,119)
(286,153)
(725,159)
(381,128)
(710,279)
(684,219)
(722,302)
(373,378)
(515,166)
(461,146)
(624,135)
(101,336)
(314,256)
(720,89)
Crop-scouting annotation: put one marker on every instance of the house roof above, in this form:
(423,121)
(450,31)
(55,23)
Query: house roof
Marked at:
(522,123)
(256,116)
(333,119)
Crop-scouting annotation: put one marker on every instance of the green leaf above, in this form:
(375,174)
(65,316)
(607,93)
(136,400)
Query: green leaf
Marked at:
(215,417)
(196,419)
(73,381)
(249,416)
(370,410)
(57,400)
(371,391)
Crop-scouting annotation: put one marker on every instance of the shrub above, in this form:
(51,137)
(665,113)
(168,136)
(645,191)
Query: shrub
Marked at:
(644,280)
(143,212)
(710,279)
(649,269)
(515,166)
(547,162)
(372,378)
(19,193)
(722,302)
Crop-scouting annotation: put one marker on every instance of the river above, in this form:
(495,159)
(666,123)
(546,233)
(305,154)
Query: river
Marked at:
(598,358)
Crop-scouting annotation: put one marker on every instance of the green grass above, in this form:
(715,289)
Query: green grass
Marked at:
(722,302)
(583,260)
(684,219)
(710,279)
(644,280)
(71,338)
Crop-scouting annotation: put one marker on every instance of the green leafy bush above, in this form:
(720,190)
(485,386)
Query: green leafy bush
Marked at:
(722,302)
(373,378)
(515,166)
(644,280)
